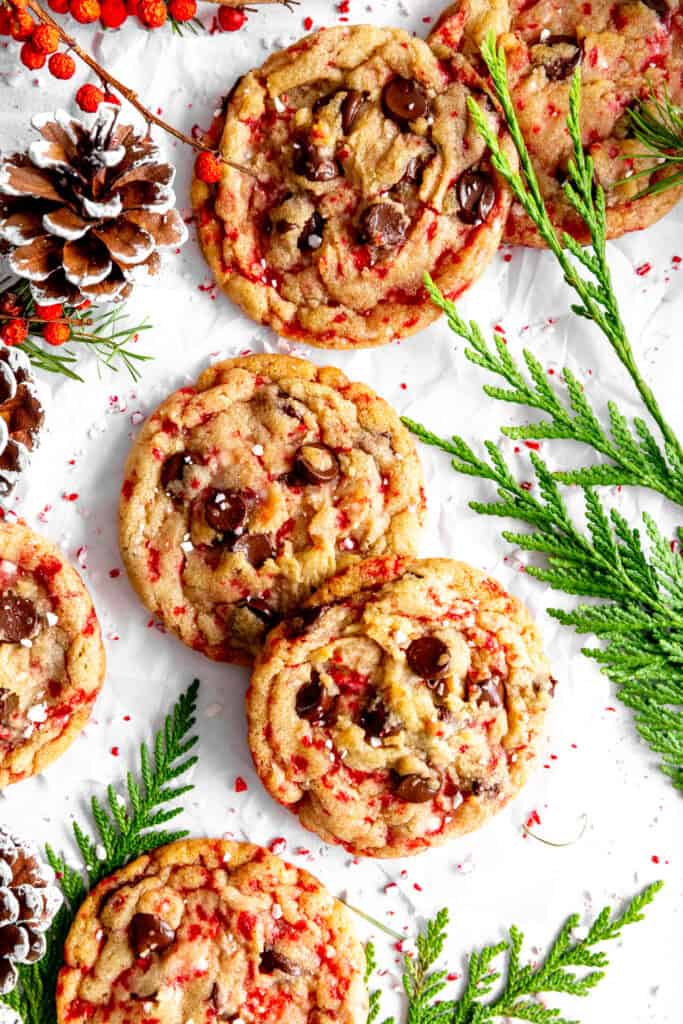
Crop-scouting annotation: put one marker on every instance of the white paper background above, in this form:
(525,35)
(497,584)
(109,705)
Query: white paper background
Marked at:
(597,765)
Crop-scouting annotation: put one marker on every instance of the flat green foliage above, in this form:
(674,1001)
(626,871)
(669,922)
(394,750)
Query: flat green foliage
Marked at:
(658,124)
(639,584)
(125,830)
(511,990)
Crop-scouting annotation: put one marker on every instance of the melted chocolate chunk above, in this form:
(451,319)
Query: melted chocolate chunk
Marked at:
(404,100)
(18,618)
(428,657)
(660,7)
(310,164)
(377,721)
(225,511)
(316,464)
(272,961)
(417,789)
(311,237)
(299,622)
(488,691)
(476,197)
(149,934)
(353,103)
(9,704)
(557,55)
(260,608)
(256,548)
(314,703)
(172,472)
(383,225)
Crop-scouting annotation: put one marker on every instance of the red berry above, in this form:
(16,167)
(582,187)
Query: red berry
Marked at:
(113,14)
(182,10)
(85,11)
(61,65)
(231,19)
(14,332)
(56,334)
(58,6)
(45,38)
(52,312)
(132,7)
(31,58)
(22,26)
(207,167)
(19,5)
(89,98)
(111,97)
(5,20)
(152,13)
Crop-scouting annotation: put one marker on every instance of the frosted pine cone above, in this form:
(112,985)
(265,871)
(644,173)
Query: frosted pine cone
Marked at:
(86,209)
(29,900)
(22,413)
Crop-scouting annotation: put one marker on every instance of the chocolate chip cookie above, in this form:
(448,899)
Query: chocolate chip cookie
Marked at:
(51,655)
(206,930)
(624,50)
(244,493)
(363,171)
(403,706)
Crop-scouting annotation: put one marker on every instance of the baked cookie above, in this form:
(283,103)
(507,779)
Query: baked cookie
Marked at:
(364,172)
(207,931)
(244,493)
(51,654)
(403,706)
(624,50)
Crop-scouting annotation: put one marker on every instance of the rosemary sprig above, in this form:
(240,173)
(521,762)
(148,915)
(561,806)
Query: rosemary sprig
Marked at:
(658,124)
(636,456)
(125,831)
(510,992)
(106,335)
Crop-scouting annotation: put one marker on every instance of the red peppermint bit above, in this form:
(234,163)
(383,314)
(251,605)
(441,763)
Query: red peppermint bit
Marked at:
(115,751)
(114,573)
(127,489)
(70,497)
(278,845)
(240,785)
(308,24)
(534,445)
(610,708)
(533,819)
(654,858)
(643,269)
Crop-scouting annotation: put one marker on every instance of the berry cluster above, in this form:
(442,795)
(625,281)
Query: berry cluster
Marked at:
(17,321)
(40,42)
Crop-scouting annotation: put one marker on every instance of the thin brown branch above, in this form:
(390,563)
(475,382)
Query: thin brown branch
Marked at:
(129,94)
(289,4)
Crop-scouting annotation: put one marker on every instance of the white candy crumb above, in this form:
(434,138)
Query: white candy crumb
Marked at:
(38,713)
(187,546)
(51,618)
(257,449)
(26,642)
(277,911)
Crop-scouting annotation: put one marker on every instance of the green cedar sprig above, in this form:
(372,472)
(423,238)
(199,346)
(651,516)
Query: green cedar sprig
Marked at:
(636,458)
(125,831)
(572,966)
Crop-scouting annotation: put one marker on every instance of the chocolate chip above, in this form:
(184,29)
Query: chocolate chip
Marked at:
(9,704)
(404,100)
(353,103)
(256,548)
(172,472)
(476,197)
(428,657)
(377,721)
(149,934)
(383,225)
(299,622)
(313,702)
(414,171)
(660,7)
(225,511)
(311,237)
(310,163)
(18,618)
(261,609)
(417,789)
(272,961)
(488,691)
(283,226)
(553,685)
(557,55)
(316,464)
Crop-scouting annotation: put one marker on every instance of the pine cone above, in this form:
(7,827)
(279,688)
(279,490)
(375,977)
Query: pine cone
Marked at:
(86,209)
(22,414)
(29,900)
